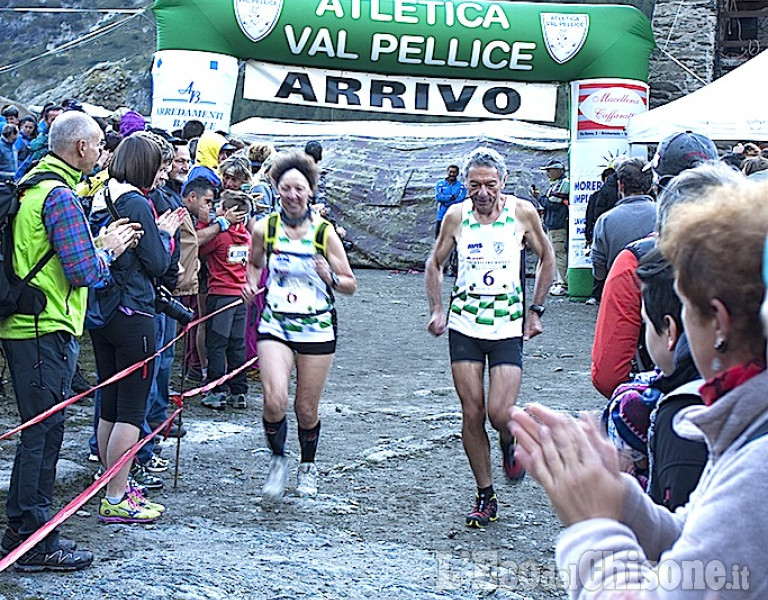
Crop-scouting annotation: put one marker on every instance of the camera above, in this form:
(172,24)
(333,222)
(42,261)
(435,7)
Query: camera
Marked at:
(165,303)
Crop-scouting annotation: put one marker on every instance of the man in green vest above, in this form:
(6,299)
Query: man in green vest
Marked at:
(42,351)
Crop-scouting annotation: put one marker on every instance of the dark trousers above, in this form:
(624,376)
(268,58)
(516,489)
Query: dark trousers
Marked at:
(39,381)
(225,343)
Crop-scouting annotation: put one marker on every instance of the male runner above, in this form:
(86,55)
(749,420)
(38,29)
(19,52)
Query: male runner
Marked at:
(485,322)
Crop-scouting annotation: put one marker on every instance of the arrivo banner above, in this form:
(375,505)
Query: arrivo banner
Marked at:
(477,40)
(400,94)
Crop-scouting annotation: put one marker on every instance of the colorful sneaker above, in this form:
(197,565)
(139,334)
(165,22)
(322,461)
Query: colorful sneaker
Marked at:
(486,510)
(140,499)
(306,481)
(157,464)
(513,470)
(236,401)
(126,511)
(277,478)
(145,479)
(215,401)
(58,559)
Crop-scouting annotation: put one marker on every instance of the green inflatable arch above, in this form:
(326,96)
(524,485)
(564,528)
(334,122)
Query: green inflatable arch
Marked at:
(502,41)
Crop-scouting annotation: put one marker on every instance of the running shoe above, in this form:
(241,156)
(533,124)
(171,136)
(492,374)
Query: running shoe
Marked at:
(558,289)
(236,401)
(485,511)
(215,401)
(11,540)
(306,481)
(140,499)
(157,464)
(58,559)
(277,478)
(512,469)
(126,511)
(145,479)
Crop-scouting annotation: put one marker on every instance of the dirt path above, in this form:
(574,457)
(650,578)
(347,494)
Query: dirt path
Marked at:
(394,488)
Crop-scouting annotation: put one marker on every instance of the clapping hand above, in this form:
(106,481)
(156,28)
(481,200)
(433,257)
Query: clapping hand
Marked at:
(119,236)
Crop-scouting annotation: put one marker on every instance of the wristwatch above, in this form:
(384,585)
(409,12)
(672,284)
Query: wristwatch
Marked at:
(537,308)
(334,280)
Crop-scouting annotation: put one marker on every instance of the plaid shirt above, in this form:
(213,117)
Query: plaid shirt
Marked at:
(84,265)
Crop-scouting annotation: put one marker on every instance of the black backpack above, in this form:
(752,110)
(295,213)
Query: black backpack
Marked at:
(17,296)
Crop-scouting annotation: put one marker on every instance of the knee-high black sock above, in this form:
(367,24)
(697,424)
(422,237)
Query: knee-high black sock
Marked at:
(276,433)
(308,439)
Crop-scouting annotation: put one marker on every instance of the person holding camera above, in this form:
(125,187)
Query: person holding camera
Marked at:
(228,256)
(125,335)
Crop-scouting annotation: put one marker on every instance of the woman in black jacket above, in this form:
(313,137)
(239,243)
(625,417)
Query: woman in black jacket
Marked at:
(128,335)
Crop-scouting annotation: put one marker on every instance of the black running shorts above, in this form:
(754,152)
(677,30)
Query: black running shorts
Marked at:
(328,347)
(498,352)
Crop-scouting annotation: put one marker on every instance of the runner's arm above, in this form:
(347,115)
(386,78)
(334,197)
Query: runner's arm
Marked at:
(536,239)
(338,264)
(444,245)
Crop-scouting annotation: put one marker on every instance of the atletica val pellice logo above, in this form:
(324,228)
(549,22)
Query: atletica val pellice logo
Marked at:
(564,35)
(257,17)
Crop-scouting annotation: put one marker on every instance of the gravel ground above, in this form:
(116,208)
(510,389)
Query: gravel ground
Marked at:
(394,487)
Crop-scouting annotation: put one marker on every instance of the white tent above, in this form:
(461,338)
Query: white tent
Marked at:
(730,108)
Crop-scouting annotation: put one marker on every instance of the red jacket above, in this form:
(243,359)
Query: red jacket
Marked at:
(618,325)
(228,254)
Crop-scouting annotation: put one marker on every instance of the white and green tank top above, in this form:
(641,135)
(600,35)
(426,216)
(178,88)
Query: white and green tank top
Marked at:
(487,299)
(299,306)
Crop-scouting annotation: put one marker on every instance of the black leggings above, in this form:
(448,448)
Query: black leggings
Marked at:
(124,341)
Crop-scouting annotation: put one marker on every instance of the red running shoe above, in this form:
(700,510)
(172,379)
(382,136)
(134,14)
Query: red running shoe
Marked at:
(485,511)
(513,470)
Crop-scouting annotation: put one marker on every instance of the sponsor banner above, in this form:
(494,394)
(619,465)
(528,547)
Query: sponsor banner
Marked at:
(400,93)
(600,111)
(192,85)
(479,40)
(604,108)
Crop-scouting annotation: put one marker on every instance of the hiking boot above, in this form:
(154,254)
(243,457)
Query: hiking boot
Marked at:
(512,469)
(157,464)
(58,559)
(126,511)
(485,511)
(80,384)
(277,478)
(173,432)
(145,479)
(236,401)
(215,401)
(140,499)
(12,539)
(306,481)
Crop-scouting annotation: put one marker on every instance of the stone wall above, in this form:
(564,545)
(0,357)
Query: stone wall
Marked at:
(685,31)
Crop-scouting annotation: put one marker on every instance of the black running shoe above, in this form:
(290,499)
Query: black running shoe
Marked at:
(11,540)
(485,511)
(58,559)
